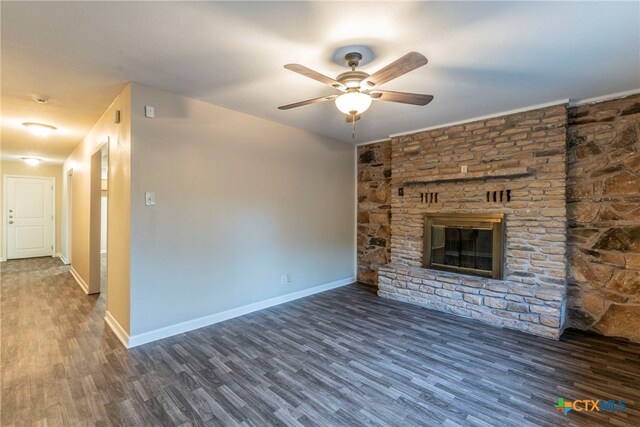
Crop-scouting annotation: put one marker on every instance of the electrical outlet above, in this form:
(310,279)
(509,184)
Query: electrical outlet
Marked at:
(463,169)
(283,279)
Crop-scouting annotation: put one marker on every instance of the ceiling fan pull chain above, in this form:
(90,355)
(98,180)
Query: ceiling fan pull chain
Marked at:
(353,125)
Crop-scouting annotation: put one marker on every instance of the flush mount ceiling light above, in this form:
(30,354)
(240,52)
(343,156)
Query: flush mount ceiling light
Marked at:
(32,161)
(39,129)
(359,88)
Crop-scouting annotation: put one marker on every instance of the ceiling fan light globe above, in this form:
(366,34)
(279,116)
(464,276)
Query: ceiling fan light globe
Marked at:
(353,101)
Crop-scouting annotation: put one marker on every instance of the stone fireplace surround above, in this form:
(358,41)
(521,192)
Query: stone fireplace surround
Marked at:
(523,155)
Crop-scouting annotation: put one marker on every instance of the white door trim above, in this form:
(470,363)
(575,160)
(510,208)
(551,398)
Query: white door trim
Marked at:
(5,240)
(95,216)
(68,203)
(99,145)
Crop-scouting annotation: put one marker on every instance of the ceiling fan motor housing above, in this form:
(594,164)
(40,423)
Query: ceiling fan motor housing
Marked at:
(352,79)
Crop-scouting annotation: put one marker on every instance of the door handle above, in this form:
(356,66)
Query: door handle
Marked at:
(10,222)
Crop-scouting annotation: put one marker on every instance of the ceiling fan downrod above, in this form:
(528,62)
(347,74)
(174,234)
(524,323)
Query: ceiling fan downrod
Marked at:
(353,59)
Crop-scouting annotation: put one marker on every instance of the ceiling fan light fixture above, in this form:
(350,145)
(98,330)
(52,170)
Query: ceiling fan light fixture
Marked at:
(356,85)
(39,129)
(354,102)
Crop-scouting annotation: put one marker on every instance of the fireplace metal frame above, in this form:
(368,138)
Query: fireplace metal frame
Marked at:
(493,221)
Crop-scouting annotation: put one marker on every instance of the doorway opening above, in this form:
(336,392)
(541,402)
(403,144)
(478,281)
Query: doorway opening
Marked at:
(98,220)
(104,186)
(68,217)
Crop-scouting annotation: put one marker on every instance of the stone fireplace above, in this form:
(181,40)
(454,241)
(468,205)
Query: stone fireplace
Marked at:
(478,220)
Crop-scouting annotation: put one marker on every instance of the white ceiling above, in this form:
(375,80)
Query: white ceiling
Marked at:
(484,58)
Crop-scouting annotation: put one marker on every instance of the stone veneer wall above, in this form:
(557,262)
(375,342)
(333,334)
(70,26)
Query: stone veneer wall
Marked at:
(604,217)
(496,152)
(374,210)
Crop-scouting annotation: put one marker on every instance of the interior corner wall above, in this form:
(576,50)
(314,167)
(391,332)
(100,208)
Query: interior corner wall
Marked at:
(42,170)
(603,195)
(240,201)
(374,209)
(79,162)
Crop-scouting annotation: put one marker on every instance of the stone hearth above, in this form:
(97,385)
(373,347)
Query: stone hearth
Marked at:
(533,309)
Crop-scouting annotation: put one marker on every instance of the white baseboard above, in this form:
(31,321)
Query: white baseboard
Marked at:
(189,325)
(62,258)
(117,329)
(81,282)
(3,259)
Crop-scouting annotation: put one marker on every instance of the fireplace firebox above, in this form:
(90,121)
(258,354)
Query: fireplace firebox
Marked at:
(465,243)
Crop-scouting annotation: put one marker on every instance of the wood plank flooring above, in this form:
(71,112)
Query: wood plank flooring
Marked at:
(340,358)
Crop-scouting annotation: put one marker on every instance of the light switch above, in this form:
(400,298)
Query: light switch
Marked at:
(150,198)
(149,111)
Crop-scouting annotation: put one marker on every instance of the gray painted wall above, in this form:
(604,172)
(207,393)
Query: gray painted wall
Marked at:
(240,201)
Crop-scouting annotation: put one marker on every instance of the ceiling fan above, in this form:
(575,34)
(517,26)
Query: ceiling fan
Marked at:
(359,89)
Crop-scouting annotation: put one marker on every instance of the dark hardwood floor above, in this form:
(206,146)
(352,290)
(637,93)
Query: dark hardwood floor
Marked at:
(343,357)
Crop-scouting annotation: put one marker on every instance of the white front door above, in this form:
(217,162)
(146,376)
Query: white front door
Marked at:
(29,216)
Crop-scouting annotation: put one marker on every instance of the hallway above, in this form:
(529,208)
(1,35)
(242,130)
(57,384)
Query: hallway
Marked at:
(343,357)
(59,358)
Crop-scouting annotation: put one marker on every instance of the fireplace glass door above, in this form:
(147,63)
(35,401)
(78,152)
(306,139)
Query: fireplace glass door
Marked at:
(466,244)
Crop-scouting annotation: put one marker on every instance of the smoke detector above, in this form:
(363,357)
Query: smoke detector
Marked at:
(41,99)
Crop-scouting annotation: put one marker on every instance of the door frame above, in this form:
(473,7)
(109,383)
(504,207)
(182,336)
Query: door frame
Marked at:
(95,199)
(68,192)
(5,237)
